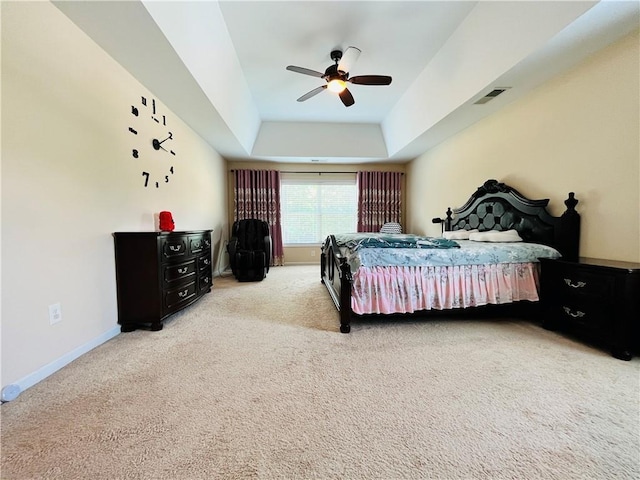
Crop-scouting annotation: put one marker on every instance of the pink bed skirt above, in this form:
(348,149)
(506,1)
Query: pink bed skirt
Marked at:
(409,289)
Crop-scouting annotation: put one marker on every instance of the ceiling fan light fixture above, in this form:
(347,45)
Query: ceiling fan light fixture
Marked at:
(337,76)
(336,85)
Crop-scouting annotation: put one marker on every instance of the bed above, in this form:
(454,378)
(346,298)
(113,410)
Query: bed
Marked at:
(474,264)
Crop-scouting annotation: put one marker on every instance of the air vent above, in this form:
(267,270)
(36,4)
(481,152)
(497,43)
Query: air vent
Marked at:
(491,95)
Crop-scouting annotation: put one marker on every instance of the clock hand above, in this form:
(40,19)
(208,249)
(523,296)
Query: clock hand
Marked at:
(157,144)
(170,136)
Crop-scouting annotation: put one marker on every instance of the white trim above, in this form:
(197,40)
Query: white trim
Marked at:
(49,369)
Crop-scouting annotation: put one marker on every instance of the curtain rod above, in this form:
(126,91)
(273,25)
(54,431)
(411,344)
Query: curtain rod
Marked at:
(320,173)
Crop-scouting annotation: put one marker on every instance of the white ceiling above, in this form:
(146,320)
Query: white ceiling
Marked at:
(221,66)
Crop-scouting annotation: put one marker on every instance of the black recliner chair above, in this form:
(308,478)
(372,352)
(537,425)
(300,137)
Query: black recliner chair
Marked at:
(250,250)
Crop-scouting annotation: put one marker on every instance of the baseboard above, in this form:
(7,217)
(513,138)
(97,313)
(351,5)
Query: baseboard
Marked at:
(49,369)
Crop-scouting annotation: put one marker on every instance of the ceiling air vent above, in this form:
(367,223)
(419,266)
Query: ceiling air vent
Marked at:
(491,95)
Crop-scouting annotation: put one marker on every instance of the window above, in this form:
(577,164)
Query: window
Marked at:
(316,206)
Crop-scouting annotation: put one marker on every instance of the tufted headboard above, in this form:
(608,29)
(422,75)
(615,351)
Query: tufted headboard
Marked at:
(497,206)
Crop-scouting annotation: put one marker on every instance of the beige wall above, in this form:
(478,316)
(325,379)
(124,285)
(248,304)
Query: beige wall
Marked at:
(578,132)
(304,254)
(69,180)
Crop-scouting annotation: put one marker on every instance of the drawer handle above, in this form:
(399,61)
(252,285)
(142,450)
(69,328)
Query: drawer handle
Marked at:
(575,285)
(577,314)
(175,248)
(183,270)
(196,244)
(207,261)
(207,243)
(205,280)
(183,294)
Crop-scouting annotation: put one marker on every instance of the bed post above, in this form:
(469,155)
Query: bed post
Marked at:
(323,261)
(448,220)
(568,235)
(345,296)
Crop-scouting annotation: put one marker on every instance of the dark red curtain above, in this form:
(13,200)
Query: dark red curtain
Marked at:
(379,199)
(257,195)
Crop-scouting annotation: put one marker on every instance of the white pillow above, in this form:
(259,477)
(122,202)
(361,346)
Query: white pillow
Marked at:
(458,234)
(496,236)
(391,227)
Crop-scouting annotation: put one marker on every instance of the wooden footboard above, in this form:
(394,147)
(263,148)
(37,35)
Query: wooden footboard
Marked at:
(336,275)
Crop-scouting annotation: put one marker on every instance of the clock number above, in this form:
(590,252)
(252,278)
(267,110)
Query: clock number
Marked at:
(155,142)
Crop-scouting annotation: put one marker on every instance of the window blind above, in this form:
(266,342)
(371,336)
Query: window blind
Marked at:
(314,207)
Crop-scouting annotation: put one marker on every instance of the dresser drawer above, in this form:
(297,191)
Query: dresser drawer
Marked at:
(174,247)
(204,262)
(198,244)
(179,272)
(204,283)
(174,298)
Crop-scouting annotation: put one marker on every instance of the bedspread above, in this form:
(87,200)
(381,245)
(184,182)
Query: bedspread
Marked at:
(439,276)
(469,253)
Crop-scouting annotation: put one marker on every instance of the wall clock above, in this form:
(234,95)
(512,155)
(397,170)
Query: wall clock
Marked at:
(153,149)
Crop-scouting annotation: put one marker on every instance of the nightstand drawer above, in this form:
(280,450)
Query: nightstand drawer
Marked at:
(584,316)
(575,282)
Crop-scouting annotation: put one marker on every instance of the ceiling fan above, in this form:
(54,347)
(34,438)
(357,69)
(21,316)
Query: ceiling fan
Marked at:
(337,76)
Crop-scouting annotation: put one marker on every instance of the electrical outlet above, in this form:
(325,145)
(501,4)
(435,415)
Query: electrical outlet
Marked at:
(313,253)
(55,313)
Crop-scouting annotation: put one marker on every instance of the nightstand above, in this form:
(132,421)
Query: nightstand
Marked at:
(596,299)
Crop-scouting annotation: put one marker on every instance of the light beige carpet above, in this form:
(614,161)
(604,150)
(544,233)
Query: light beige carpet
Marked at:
(255,381)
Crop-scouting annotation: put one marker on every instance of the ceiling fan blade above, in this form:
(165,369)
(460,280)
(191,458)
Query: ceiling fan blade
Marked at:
(310,94)
(305,71)
(347,98)
(348,59)
(370,80)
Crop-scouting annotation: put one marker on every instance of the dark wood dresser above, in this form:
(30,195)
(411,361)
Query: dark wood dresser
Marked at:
(160,273)
(596,299)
